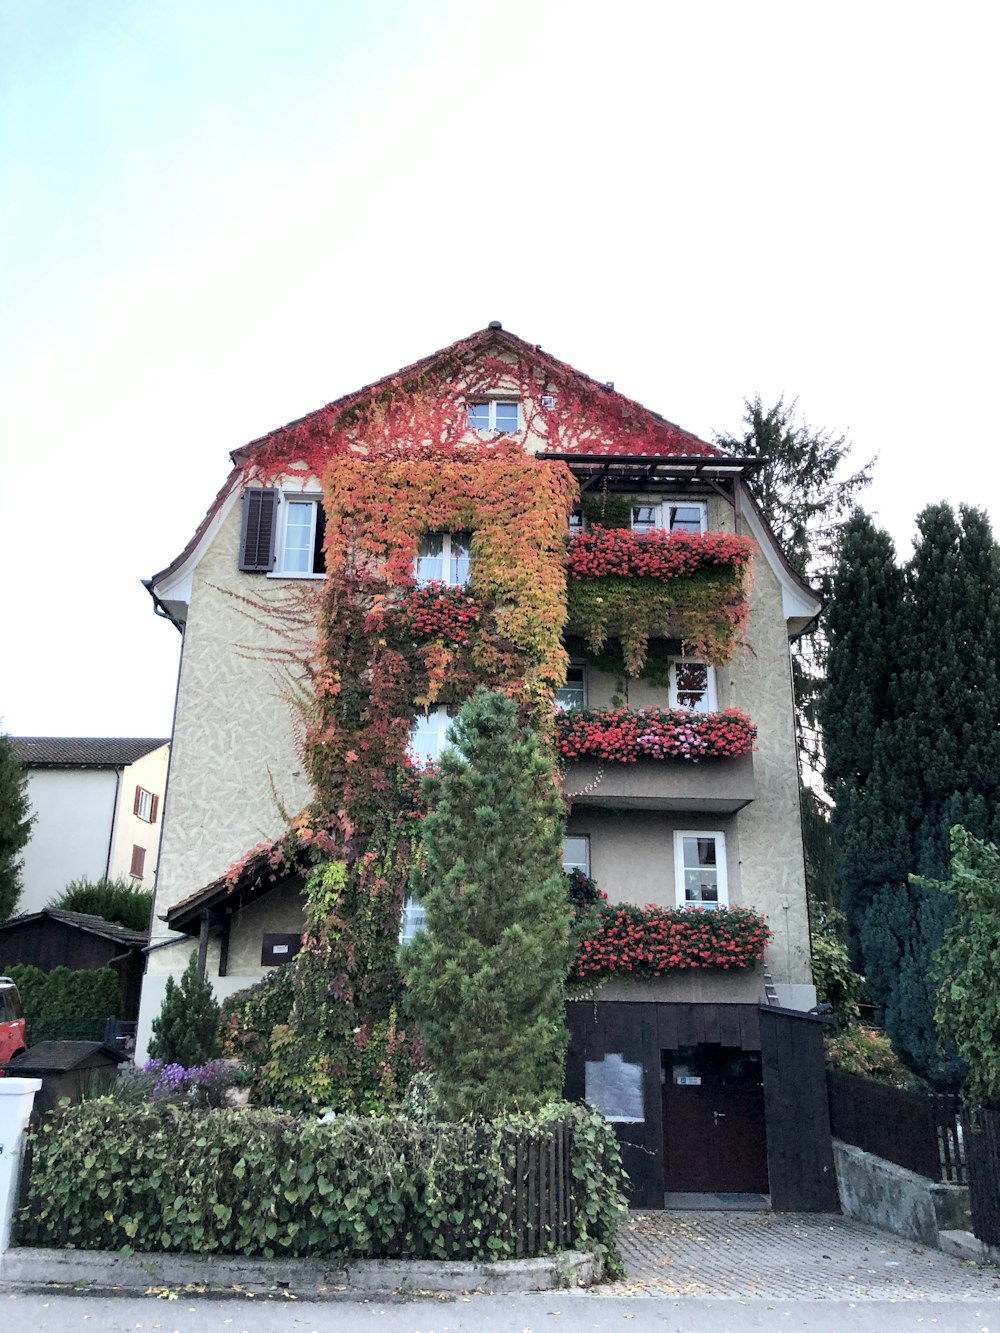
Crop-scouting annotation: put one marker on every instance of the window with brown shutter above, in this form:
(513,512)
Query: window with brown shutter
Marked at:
(138,861)
(257,536)
(144,805)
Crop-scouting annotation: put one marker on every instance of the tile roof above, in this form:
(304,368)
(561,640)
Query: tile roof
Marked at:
(84,751)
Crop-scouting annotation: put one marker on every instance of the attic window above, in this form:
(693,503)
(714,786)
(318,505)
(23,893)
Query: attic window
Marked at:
(494,414)
(282,533)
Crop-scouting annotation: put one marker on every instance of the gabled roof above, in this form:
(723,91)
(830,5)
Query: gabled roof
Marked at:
(666,439)
(84,751)
(90,925)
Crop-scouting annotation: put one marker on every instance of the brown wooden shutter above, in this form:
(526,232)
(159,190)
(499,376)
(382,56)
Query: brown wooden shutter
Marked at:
(153,809)
(135,803)
(138,861)
(260,508)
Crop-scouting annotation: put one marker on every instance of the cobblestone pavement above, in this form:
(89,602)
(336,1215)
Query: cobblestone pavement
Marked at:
(787,1256)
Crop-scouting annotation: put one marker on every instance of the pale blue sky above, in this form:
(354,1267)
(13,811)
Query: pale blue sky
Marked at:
(216,216)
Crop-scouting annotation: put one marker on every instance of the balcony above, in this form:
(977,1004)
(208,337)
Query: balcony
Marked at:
(712,786)
(635,586)
(657,759)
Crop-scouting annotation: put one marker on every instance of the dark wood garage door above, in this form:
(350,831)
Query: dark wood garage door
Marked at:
(714,1135)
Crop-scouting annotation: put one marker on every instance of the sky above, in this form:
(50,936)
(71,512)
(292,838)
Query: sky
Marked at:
(215,217)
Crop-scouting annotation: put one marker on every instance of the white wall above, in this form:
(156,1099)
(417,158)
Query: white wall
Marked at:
(74,810)
(149,772)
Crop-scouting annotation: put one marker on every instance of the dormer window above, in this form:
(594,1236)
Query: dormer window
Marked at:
(494,414)
(443,557)
(692,685)
(671,515)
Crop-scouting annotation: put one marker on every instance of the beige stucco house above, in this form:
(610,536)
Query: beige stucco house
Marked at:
(96,804)
(654,1054)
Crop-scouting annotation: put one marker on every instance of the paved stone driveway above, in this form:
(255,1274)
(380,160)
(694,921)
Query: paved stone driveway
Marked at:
(787,1256)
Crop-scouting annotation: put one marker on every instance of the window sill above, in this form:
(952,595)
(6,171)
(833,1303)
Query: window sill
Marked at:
(291,574)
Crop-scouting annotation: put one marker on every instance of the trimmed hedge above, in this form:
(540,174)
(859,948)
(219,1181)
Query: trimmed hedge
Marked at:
(255,1182)
(67,1002)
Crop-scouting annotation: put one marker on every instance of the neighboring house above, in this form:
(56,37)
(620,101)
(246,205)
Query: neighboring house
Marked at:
(52,938)
(714,1078)
(97,804)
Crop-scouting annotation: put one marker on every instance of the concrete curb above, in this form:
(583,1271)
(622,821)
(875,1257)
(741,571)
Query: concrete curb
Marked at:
(103,1269)
(964,1245)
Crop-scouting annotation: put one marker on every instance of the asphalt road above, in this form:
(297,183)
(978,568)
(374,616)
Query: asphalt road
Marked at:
(23,1312)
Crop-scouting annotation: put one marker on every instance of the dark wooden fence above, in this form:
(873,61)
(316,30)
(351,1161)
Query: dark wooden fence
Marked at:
(982,1142)
(936,1136)
(923,1133)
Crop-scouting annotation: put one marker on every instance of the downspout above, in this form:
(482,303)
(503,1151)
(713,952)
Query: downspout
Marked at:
(114,822)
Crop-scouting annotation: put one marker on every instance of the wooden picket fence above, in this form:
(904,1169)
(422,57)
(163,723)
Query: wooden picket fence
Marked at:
(935,1135)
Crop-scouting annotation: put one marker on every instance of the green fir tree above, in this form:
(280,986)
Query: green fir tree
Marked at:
(913,749)
(487,978)
(186,1031)
(15,825)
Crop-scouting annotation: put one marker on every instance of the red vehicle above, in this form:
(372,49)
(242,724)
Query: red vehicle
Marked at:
(11,1022)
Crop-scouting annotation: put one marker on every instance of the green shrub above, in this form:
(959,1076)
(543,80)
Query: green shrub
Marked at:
(67,1003)
(868,1052)
(115,900)
(186,1030)
(253,1182)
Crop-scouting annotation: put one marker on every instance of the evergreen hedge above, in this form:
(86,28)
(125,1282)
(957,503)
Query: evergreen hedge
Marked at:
(67,1003)
(255,1182)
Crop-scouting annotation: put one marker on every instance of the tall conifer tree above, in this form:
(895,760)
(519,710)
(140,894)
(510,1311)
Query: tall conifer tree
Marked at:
(914,747)
(487,978)
(15,825)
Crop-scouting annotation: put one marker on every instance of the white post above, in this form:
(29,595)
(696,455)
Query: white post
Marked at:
(16,1098)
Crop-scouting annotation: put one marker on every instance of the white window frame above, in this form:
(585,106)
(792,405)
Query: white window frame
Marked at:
(722,875)
(449,569)
(145,805)
(573,863)
(412,920)
(439,721)
(285,501)
(491,404)
(709,701)
(664,511)
(563,704)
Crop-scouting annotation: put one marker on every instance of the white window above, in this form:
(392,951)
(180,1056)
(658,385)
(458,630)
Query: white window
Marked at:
(413,919)
(429,735)
(574,693)
(494,414)
(444,557)
(300,536)
(576,523)
(672,515)
(144,804)
(692,685)
(576,854)
(700,869)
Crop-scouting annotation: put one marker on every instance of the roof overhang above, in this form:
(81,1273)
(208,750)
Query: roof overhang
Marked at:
(223,897)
